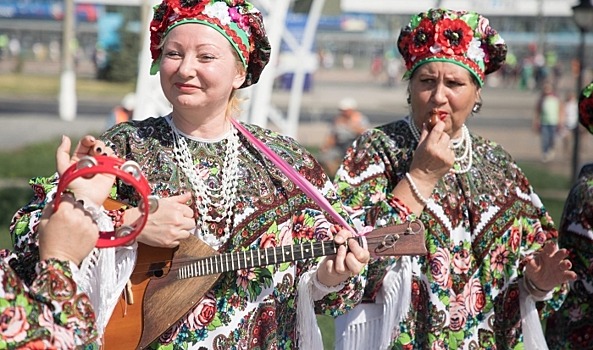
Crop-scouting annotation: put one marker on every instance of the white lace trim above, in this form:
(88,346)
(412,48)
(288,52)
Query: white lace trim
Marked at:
(375,325)
(533,335)
(308,332)
(103,275)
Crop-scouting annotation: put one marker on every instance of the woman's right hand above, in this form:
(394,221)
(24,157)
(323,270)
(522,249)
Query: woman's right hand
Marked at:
(433,157)
(172,222)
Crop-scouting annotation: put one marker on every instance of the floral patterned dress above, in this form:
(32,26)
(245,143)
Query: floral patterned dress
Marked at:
(480,226)
(571,327)
(48,313)
(251,308)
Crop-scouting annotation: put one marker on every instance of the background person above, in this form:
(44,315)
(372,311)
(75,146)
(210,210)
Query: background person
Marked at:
(215,184)
(49,311)
(548,120)
(124,111)
(491,243)
(345,127)
(571,327)
(570,112)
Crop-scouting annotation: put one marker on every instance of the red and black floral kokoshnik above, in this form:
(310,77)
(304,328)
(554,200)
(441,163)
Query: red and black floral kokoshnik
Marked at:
(461,37)
(237,20)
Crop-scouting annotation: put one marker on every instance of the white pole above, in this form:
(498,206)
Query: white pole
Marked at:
(261,93)
(303,55)
(67,98)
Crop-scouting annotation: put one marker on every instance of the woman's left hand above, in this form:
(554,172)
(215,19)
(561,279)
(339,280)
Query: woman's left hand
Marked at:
(549,268)
(350,260)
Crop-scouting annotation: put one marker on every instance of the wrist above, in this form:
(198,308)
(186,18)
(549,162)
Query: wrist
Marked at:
(416,191)
(533,289)
(328,279)
(330,282)
(48,254)
(325,287)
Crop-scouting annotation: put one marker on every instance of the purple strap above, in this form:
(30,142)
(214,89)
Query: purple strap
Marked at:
(293,175)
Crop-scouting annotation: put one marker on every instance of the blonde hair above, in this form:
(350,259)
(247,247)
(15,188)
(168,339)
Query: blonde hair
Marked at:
(233,109)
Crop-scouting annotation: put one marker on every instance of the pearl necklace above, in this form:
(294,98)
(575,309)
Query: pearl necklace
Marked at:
(463,162)
(220,199)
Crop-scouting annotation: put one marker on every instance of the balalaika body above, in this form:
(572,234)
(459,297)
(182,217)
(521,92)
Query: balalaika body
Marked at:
(167,283)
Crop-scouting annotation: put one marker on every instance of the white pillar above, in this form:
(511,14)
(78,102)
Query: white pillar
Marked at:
(67,98)
(300,70)
(261,93)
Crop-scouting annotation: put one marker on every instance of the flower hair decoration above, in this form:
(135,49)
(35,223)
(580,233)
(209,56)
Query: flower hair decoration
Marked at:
(237,20)
(586,107)
(461,37)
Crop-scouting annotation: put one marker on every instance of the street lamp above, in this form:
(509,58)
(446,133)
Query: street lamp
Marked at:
(583,17)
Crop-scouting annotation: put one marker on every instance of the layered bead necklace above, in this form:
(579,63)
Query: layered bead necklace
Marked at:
(209,197)
(461,146)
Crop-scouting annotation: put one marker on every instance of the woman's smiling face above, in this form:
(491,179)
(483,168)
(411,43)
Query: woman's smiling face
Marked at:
(198,67)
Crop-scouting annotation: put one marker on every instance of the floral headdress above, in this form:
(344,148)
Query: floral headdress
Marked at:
(461,37)
(237,20)
(586,107)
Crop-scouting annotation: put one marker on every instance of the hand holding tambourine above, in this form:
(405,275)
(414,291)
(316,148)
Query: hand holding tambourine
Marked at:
(89,174)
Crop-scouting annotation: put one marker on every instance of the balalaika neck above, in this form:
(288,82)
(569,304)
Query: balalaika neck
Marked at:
(256,257)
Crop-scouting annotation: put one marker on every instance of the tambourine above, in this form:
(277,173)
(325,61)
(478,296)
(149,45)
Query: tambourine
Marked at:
(129,172)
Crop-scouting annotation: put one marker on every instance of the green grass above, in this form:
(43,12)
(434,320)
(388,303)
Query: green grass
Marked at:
(35,86)
(552,188)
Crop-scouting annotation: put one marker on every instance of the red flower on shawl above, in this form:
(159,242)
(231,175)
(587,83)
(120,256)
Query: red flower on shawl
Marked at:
(453,35)
(300,228)
(422,38)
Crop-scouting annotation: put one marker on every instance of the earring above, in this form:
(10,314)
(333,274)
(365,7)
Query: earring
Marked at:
(477,107)
(409,99)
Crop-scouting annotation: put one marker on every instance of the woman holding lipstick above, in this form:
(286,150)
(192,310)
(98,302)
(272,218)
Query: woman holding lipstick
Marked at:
(491,243)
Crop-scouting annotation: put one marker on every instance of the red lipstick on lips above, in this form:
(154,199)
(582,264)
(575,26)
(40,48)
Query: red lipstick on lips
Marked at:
(435,115)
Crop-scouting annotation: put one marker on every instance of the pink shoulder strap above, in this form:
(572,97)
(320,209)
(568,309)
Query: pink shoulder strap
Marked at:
(293,175)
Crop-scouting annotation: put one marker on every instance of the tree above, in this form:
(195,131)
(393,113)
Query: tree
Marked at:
(122,62)
(121,58)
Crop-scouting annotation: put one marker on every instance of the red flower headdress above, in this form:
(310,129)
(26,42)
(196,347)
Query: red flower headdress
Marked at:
(586,107)
(462,37)
(238,20)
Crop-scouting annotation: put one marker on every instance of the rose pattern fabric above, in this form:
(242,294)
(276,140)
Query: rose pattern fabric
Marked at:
(270,211)
(481,227)
(49,314)
(571,327)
